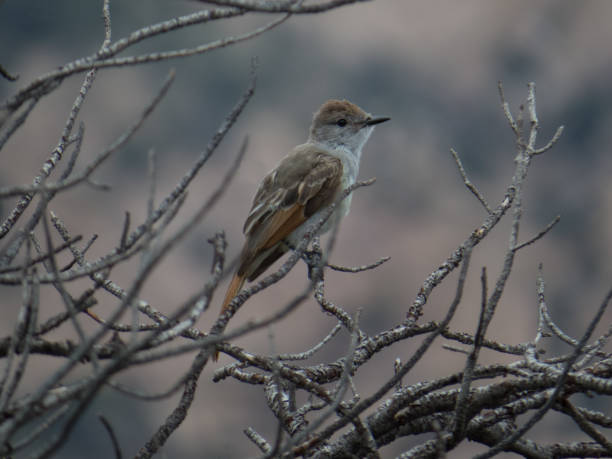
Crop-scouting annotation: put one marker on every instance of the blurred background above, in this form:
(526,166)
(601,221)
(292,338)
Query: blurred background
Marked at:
(433,67)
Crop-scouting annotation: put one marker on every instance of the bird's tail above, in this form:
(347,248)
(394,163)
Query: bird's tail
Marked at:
(234,287)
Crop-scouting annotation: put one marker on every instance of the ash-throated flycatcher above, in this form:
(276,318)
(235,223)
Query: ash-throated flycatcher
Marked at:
(305,182)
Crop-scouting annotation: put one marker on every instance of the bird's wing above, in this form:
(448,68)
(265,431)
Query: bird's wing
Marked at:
(304,182)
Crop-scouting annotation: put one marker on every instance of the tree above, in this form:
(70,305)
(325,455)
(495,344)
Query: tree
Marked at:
(318,410)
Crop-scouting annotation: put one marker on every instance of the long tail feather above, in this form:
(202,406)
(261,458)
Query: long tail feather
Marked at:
(234,287)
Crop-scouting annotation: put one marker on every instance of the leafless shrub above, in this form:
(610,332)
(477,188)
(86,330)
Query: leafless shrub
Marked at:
(319,411)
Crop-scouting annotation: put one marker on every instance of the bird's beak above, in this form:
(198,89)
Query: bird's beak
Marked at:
(373,121)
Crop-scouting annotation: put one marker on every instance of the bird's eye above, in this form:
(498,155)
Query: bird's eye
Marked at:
(341,122)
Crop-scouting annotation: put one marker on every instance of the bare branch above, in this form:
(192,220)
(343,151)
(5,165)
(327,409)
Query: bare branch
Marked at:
(585,426)
(555,138)
(470,186)
(111,432)
(5,74)
(358,269)
(540,235)
(366,403)
(283,6)
(506,109)
(259,441)
(436,277)
(558,387)
(56,156)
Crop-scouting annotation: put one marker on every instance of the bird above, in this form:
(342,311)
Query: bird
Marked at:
(294,194)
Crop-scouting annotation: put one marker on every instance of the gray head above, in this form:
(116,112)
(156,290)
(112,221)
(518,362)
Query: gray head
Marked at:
(342,124)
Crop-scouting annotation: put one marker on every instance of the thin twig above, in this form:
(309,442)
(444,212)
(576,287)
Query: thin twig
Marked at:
(555,138)
(256,438)
(43,257)
(54,158)
(358,269)
(264,6)
(17,122)
(540,235)
(462,404)
(468,183)
(310,352)
(585,426)
(506,110)
(111,433)
(5,74)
